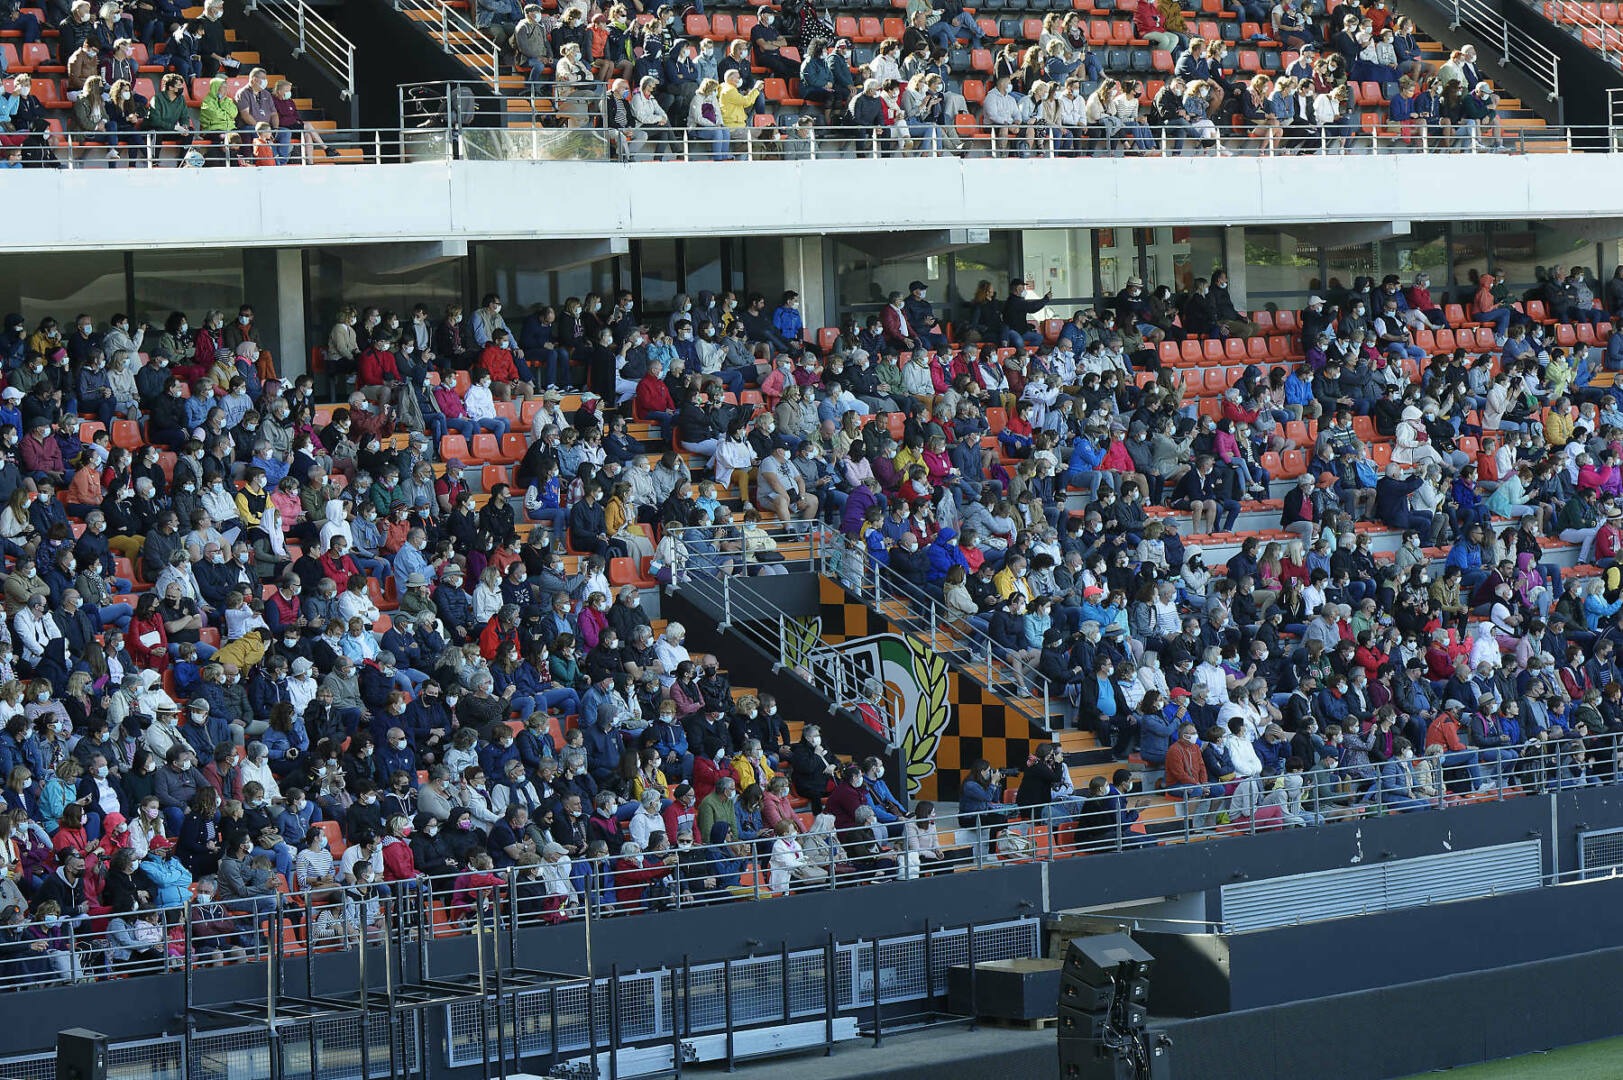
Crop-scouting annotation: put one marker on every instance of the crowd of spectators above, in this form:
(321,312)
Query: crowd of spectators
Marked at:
(143,85)
(254,645)
(941,80)
(1306,666)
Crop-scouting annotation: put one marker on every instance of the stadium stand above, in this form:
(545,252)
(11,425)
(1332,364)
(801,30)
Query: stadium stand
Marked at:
(264,654)
(137,115)
(1091,79)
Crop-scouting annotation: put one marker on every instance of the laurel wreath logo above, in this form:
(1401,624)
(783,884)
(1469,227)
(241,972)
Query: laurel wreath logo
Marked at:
(801,636)
(930,716)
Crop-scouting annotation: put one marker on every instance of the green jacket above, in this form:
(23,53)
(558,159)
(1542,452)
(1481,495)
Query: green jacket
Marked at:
(886,371)
(1578,513)
(166,115)
(219,113)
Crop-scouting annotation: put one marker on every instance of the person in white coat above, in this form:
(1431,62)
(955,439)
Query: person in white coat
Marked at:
(790,863)
(1414,447)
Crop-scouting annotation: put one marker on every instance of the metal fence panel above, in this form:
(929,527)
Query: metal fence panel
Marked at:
(1357,890)
(649,1012)
(1600,851)
(328,1049)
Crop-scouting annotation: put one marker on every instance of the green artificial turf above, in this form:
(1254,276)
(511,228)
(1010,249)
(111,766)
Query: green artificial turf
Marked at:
(1601,1060)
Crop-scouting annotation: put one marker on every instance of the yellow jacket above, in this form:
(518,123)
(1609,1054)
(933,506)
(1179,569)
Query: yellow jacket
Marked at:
(1557,427)
(735,105)
(244,652)
(746,773)
(1006,584)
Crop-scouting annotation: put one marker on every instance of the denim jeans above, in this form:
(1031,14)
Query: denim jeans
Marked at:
(1500,317)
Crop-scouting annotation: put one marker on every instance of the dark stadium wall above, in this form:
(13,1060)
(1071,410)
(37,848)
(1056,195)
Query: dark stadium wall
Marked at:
(1439,1023)
(1415,944)
(390,50)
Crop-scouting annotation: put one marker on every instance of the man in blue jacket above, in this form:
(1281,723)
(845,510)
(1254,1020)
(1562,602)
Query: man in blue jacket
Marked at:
(396,755)
(1082,471)
(944,554)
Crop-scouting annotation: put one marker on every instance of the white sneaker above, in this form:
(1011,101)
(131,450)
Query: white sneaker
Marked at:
(112,155)
(1489,785)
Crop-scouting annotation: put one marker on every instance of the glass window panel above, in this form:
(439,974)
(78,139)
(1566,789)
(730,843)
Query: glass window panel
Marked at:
(1118,260)
(189,281)
(1281,268)
(659,276)
(701,258)
(337,278)
(62,286)
(1344,264)
(1175,256)
(1524,250)
(1468,244)
(1060,260)
(864,277)
(513,270)
(1424,249)
(992,261)
(763,268)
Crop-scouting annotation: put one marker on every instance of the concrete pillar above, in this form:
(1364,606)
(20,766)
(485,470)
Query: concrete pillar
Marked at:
(1234,262)
(292,352)
(273,281)
(803,272)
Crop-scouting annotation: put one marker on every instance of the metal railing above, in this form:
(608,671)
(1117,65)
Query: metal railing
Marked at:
(457,35)
(331,917)
(714,571)
(314,37)
(235,149)
(1590,28)
(455,104)
(537,142)
(968,646)
(1516,47)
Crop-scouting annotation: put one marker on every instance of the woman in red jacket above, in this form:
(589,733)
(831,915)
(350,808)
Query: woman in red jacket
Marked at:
(654,401)
(147,639)
(399,864)
(376,369)
(634,872)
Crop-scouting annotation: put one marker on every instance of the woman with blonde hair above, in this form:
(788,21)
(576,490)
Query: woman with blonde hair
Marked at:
(568,73)
(89,119)
(1103,124)
(1265,126)
(289,118)
(704,120)
(1044,112)
(922,110)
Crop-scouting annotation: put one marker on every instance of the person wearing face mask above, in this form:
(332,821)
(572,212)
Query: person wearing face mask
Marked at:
(812,767)
(257,105)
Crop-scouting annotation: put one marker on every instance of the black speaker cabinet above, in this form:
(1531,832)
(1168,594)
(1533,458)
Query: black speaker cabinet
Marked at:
(1023,989)
(1095,960)
(1088,1059)
(81,1055)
